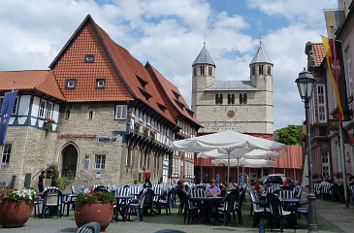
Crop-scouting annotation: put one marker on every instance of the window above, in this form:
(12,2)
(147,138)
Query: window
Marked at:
(42,105)
(260,69)
(100,83)
(67,114)
(194,71)
(348,61)
(321,103)
(218,99)
(121,112)
(89,58)
(202,68)
(243,98)
(325,164)
(253,70)
(90,115)
(70,83)
(100,162)
(269,70)
(231,98)
(210,70)
(6,154)
(49,110)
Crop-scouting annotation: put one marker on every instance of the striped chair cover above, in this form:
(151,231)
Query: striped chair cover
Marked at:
(135,190)
(326,188)
(272,189)
(158,191)
(123,192)
(286,194)
(200,186)
(317,188)
(297,191)
(198,192)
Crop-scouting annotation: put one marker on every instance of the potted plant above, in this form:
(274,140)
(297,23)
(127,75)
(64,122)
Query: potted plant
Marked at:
(94,207)
(16,207)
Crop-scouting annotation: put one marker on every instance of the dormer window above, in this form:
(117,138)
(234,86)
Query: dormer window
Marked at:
(89,58)
(142,81)
(100,83)
(162,107)
(70,83)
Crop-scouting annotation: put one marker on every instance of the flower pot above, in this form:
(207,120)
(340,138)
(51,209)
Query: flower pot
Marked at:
(101,213)
(15,214)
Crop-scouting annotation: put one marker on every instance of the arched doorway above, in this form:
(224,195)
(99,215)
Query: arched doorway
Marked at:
(69,161)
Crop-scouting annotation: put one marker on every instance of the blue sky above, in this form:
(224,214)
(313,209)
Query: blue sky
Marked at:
(170,34)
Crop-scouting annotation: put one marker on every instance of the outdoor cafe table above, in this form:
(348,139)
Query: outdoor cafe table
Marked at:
(122,205)
(293,203)
(208,204)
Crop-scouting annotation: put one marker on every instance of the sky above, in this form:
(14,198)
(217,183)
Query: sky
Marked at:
(170,34)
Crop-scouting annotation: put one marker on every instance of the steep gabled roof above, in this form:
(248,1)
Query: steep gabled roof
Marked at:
(135,75)
(41,80)
(261,56)
(204,57)
(319,53)
(173,95)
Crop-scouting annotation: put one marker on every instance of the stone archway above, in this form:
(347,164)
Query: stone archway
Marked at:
(69,161)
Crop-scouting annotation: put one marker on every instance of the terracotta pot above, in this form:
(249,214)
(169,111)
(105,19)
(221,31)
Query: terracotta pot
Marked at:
(15,214)
(101,213)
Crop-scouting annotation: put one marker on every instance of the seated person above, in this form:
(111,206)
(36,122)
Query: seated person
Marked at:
(258,187)
(213,190)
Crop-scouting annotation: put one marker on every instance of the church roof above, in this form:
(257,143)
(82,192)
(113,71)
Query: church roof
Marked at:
(204,57)
(261,56)
(228,85)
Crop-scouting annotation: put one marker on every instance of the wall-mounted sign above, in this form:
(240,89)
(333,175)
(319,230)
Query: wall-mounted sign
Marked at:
(106,139)
(90,136)
(115,133)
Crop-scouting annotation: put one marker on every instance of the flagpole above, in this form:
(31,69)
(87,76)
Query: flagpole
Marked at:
(341,143)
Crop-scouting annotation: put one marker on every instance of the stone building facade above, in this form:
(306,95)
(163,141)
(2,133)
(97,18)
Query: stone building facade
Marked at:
(244,106)
(97,114)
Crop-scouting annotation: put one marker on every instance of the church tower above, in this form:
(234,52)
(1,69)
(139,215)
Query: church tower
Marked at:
(203,76)
(261,75)
(261,70)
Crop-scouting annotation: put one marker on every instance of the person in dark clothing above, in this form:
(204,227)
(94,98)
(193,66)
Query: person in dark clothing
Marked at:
(147,183)
(41,181)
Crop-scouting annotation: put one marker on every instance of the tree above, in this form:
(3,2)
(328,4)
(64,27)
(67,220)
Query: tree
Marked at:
(288,135)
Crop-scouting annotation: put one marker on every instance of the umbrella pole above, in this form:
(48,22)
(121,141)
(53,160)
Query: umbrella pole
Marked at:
(238,171)
(228,168)
(201,170)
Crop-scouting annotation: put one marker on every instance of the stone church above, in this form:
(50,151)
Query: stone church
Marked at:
(245,106)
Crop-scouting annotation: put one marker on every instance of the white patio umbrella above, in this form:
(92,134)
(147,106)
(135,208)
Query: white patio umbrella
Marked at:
(254,163)
(225,142)
(242,153)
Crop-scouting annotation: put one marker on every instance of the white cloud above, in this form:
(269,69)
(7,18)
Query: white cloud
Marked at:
(305,11)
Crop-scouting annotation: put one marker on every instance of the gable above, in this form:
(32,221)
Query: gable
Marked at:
(70,65)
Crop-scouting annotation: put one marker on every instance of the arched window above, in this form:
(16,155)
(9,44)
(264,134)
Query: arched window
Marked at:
(245,98)
(240,98)
(260,69)
(253,70)
(269,70)
(202,69)
(210,70)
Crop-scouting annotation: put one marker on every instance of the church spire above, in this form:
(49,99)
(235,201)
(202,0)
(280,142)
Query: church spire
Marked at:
(261,55)
(204,57)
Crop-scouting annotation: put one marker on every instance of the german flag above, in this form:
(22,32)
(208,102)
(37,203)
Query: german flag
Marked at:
(333,50)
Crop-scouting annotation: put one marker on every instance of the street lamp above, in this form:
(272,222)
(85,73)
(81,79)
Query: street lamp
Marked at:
(305,82)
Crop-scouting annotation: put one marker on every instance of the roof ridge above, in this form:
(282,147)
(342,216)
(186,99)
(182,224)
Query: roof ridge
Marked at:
(21,70)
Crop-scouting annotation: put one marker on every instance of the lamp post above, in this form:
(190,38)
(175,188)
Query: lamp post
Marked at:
(305,83)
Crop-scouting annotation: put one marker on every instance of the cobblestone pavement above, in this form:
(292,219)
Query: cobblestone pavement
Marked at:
(332,217)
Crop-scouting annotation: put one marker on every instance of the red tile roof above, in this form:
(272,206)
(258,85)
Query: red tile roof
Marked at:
(319,53)
(172,93)
(70,65)
(131,70)
(41,80)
